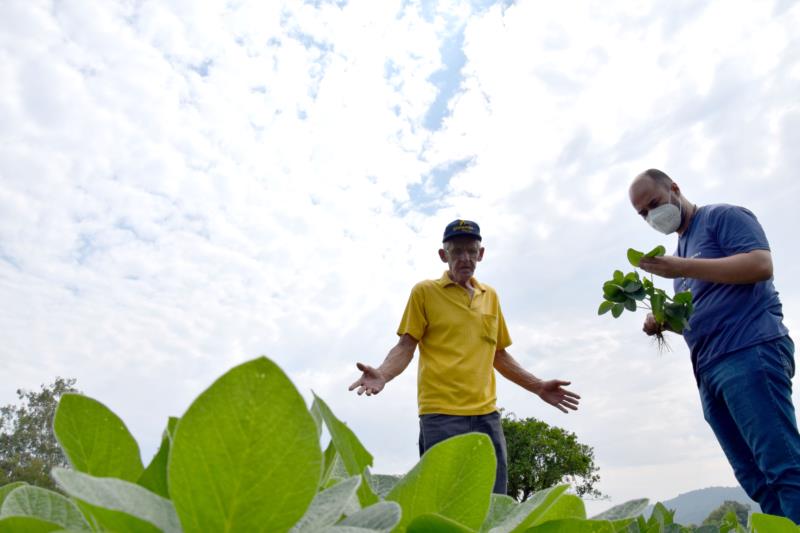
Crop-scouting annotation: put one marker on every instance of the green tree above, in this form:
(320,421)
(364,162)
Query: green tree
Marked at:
(28,446)
(541,456)
(739,509)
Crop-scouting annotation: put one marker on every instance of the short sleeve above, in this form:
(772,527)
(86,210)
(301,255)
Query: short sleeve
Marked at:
(414,321)
(503,338)
(738,231)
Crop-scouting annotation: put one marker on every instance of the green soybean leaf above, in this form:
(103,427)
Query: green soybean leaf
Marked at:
(46,505)
(629,509)
(764,523)
(355,457)
(327,506)
(611,288)
(154,477)
(381,517)
(500,507)
(567,506)
(632,286)
(26,524)
(454,479)
(683,297)
(245,455)
(630,304)
(617,309)
(6,489)
(329,459)
(674,310)
(631,276)
(618,277)
(605,307)
(530,512)
(382,484)
(639,295)
(634,256)
(119,505)
(660,516)
(576,525)
(656,252)
(436,523)
(95,440)
(675,324)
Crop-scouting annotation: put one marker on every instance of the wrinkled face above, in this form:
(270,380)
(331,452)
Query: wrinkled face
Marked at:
(646,194)
(462,255)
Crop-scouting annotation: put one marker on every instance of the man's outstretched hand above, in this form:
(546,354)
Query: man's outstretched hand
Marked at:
(371,381)
(554,393)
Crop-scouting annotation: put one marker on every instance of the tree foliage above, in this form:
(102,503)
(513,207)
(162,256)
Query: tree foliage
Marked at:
(28,446)
(541,456)
(739,509)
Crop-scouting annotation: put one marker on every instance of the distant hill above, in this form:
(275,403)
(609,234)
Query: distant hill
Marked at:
(693,507)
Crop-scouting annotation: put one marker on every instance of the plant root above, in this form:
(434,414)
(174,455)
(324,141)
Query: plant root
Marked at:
(661,342)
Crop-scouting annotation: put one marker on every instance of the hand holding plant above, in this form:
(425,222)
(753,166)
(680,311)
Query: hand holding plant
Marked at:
(630,291)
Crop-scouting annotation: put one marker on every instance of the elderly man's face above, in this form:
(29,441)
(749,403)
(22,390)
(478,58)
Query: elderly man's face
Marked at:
(462,255)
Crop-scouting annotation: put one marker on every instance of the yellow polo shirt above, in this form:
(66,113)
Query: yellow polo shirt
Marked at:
(457,341)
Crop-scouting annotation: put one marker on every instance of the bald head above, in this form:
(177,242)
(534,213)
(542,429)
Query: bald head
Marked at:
(654,177)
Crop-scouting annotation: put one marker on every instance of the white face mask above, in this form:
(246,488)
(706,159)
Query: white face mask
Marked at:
(665,218)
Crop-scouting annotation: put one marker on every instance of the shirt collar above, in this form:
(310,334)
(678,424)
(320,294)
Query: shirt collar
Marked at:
(445,281)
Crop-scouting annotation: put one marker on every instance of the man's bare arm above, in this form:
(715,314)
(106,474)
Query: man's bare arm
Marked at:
(550,391)
(373,380)
(744,268)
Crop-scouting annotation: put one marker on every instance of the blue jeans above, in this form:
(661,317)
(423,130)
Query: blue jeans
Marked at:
(434,428)
(747,401)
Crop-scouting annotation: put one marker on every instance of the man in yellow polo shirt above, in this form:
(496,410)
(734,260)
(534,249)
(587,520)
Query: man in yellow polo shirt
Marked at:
(462,338)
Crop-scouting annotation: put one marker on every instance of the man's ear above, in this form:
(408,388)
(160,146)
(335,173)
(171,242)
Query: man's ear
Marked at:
(442,255)
(480,253)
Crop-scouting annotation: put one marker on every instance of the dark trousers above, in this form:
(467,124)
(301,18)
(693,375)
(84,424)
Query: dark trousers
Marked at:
(747,401)
(435,428)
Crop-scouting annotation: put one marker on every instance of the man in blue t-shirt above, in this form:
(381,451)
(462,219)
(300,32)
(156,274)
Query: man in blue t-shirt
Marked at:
(742,355)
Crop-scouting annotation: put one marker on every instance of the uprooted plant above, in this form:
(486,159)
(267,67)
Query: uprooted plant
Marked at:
(630,291)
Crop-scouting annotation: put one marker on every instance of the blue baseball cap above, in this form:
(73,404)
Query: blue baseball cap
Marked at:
(460,227)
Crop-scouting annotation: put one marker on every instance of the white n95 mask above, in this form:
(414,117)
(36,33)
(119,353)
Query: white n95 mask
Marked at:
(665,218)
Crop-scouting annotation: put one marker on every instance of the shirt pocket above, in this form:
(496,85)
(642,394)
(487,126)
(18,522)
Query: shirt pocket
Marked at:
(489,328)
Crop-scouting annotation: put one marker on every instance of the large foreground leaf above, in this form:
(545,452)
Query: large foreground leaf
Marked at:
(435,523)
(577,525)
(119,505)
(6,489)
(245,456)
(499,509)
(154,477)
(95,440)
(763,523)
(27,524)
(354,456)
(532,511)
(44,504)
(453,479)
(327,506)
(629,509)
(379,518)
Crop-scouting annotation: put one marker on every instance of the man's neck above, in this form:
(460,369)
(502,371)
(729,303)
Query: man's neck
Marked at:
(691,209)
(466,284)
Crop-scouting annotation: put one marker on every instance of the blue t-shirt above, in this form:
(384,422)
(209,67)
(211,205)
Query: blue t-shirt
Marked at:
(727,317)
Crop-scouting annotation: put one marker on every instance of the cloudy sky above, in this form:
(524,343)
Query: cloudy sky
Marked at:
(186,185)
